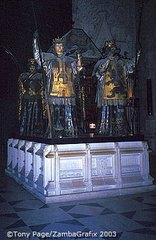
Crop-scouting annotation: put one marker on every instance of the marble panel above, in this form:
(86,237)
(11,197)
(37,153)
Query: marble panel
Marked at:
(55,172)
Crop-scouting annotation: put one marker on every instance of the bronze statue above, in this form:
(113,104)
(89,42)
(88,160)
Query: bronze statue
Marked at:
(31,106)
(112,73)
(61,75)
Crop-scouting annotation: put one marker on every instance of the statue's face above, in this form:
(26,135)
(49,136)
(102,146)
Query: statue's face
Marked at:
(32,68)
(113,48)
(59,48)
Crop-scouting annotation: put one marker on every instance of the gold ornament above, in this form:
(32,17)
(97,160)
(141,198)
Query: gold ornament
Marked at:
(32,61)
(109,43)
(57,40)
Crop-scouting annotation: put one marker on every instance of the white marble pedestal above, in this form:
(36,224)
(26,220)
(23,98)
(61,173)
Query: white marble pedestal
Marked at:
(62,172)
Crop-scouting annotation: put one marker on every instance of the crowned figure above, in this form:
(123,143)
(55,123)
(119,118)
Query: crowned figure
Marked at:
(61,74)
(112,73)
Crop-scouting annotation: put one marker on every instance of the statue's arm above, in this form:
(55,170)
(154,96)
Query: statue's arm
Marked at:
(39,56)
(101,68)
(129,66)
(21,92)
(79,62)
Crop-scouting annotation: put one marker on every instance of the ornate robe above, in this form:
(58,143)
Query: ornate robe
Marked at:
(61,73)
(112,95)
(31,106)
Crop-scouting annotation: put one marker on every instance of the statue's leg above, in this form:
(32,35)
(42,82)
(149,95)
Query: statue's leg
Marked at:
(58,121)
(69,121)
(103,121)
(121,122)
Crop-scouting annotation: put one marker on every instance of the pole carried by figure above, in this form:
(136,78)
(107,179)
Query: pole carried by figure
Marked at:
(36,37)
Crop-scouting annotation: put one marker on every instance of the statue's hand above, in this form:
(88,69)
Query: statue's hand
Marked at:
(79,62)
(35,35)
(101,71)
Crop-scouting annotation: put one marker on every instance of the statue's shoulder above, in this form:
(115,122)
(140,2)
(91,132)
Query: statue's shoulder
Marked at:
(70,59)
(48,56)
(38,75)
(100,62)
(23,75)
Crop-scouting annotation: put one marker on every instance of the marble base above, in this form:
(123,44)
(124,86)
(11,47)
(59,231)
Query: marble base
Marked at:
(63,172)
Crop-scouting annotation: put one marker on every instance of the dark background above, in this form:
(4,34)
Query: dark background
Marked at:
(19,20)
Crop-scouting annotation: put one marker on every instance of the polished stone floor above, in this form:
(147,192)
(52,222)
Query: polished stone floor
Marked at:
(22,216)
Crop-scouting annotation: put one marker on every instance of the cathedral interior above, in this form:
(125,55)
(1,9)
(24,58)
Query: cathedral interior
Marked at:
(131,23)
